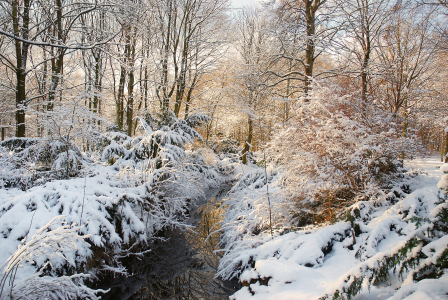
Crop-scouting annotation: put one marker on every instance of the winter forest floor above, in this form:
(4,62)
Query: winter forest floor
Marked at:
(393,247)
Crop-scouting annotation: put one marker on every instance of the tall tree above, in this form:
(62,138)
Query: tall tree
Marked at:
(188,44)
(50,26)
(304,32)
(364,22)
(251,89)
(407,60)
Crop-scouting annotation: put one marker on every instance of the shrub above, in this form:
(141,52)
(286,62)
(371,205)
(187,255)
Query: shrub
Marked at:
(334,154)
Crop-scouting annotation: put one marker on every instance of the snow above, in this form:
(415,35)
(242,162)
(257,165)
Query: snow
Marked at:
(443,183)
(444,168)
(116,200)
(115,203)
(85,201)
(243,169)
(436,289)
(301,265)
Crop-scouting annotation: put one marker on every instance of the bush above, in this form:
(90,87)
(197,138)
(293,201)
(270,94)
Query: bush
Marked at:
(334,154)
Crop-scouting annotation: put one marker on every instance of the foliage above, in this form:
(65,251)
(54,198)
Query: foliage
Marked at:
(141,187)
(33,161)
(224,145)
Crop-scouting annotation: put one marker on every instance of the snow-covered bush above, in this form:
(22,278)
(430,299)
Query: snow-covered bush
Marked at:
(226,145)
(255,212)
(67,164)
(120,216)
(32,161)
(334,154)
(15,171)
(48,249)
(421,253)
(393,246)
(138,188)
(164,141)
(443,183)
(159,154)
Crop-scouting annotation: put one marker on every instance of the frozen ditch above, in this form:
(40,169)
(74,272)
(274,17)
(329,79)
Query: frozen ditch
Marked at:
(182,266)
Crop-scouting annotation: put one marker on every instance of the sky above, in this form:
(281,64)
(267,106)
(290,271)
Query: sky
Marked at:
(241,3)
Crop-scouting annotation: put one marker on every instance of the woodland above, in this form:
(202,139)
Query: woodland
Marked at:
(310,130)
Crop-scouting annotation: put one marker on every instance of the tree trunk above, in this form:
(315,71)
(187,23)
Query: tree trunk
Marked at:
(57,62)
(165,101)
(57,71)
(130,104)
(367,49)
(97,83)
(146,88)
(405,119)
(21,60)
(442,146)
(310,11)
(120,98)
(189,97)
(248,140)
(446,148)
(180,90)
(20,103)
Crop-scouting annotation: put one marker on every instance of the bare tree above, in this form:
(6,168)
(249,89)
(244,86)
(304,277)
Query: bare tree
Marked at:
(304,32)
(187,43)
(52,26)
(407,61)
(251,90)
(364,22)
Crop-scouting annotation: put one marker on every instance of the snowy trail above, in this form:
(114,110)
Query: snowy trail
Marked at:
(298,269)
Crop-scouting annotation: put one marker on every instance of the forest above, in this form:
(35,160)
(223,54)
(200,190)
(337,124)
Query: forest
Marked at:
(217,149)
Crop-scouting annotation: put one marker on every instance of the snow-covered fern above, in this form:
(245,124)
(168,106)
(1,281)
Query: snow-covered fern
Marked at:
(42,248)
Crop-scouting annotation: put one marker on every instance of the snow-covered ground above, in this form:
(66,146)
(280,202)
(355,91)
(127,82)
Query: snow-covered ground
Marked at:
(392,247)
(331,261)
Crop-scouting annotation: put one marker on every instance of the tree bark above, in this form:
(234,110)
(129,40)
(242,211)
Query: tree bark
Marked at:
(21,57)
(310,11)
(446,148)
(180,90)
(130,104)
(20,103)
(120,98)
(122,82)
(250,132)
(57,62)
(442,146)
(364,76)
